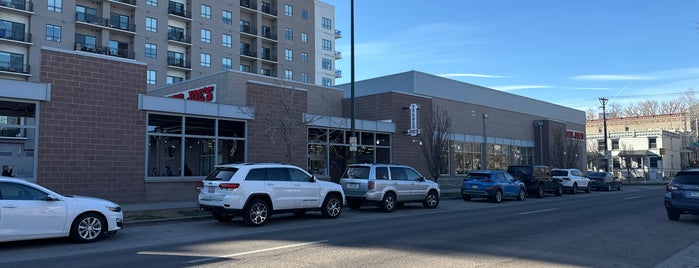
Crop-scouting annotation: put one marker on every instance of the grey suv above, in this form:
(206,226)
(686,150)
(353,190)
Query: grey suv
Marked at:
(537,179)
(388,186)
(682,194)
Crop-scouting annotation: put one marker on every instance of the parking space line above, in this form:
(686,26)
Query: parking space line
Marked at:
(633,197)
(537,211)
(256,251)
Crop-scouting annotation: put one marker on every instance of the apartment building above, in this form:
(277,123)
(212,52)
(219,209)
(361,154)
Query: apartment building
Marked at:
(177,39)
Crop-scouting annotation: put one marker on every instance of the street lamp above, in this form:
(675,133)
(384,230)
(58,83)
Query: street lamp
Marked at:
(603,101)
(484,148)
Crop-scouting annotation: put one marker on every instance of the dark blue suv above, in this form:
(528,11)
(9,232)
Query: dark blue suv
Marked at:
(682,194)
(493,184)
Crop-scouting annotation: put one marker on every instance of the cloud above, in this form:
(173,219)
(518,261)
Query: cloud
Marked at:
(588,88)
(472,75)
(611,77)
(516,87)
(672,74)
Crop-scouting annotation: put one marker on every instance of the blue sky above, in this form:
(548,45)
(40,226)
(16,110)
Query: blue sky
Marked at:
(569,52)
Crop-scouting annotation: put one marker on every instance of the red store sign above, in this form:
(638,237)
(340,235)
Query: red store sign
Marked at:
(205,94)
(576,135)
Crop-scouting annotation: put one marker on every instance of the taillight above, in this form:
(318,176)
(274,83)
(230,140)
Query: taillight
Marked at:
(370,185)
(228,186)
(199,185)
(671,187)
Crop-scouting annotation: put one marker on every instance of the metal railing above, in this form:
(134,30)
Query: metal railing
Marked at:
(18,4)
(16,36)
(180,37)
(86,18)
(103,50)
(178,62)
(15,68)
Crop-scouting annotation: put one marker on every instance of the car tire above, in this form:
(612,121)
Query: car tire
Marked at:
(355,204)
(619,188)
(559,190)
(588,189)
(466,197)
(574,191)
(497,198)
(332,207)
(431,200)
(522,194)
(256,213)
(388,203)
(88,227)
(609,187)
(222,217)
(540,191)
(673,215)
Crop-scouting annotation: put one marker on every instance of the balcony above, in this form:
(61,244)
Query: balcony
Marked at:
(338,33)
(248,4)
(248,30)
(269,57)
(338,55)
(131,3)
(15,36)
(20,5)
(248,53)
(179,37)
(269,10)
(15,68)
(178,10)
(109,51)
(269,35)
(178,62)
(338,73)
(102,22)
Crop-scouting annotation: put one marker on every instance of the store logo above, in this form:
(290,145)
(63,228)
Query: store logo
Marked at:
(205,94)
(414,118)
(576,135)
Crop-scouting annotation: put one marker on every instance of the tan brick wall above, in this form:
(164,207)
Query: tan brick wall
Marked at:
(91,134)
(669,122)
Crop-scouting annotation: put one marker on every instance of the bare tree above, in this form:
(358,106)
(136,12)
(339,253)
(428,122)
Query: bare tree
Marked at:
(614,110)
(641,108)
(563,151)
(591,114)
(672,107)
(594,157)
(626,157)
(435,140)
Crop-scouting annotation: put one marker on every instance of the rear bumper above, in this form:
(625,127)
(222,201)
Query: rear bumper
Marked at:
(220,210)
(681,207)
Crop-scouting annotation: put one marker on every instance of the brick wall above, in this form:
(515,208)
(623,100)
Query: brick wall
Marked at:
(91,132)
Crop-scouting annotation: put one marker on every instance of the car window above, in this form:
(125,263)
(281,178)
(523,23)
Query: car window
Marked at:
(258,174)
(382,173)
(577,173)
(412,174)
(687,178)
(520,171)
(478,176)
(221,174)
(357,172)
(508,176)
(597,174)
(398,174)
(559,173)
(500,176)
(15,191)
(298,175)
(278,174)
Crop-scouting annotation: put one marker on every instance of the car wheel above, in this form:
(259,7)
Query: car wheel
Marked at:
(609,187)
(222,217)
(673,215)
(522,194)
(588,189)
(466,197)
(88,227)
(256,213)
(388,203)
(559,190)
(619,188)
(498,196)
(431,200)
(354,204)
(540,191)
(332,207)
(575,189)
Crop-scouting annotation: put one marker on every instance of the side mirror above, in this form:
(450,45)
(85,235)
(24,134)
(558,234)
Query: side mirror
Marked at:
(422,179)
(50,198)
(313,178)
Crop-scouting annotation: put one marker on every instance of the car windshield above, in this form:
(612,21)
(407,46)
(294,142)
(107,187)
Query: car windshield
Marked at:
(357,172)
(478,176)
(520,171)
(221,174)
(559,173)
(687,178)
(597,174)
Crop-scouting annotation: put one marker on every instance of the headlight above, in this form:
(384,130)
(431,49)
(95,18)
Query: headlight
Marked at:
(114,209)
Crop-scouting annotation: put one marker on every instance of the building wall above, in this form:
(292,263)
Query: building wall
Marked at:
(671,122)
(91,132)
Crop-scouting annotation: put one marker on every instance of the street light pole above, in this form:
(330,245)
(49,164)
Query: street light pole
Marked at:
(484,148)
(353,153)
(603,101)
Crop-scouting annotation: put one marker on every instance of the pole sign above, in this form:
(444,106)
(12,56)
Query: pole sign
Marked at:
(414,118)
(353,144)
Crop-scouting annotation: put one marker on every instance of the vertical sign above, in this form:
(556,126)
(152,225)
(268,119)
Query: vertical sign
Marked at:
(414,118)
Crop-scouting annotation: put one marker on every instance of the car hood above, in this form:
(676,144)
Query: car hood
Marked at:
(88,200)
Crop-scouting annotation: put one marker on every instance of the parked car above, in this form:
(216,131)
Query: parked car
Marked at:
(537,179)
(572,180)
(256,191)
(30,211)
(388,186)
(604,181)
(682,194)
(492,184)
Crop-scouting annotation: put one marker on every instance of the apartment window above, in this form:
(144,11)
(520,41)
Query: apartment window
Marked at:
(304,57)
(304,37)
(85,42)
(288,54)
(266,72)
(151,24)
(304,14)
(266,53)
(150,77)
(205,60)
(205,36)
(244,26)
(175,58)
(327,45)
(227,63)
(55,5)
(151,51)
(227,17)
(205,11)
(288,75)
(53,33)
(245,49)
(327,23)
(85,14)
(304,77)
(327,82)
(245,68)
(626,128)
(600,146)
(615,144)
(175,33)
(119,49)
(652,143)
(288,10)
(227,40)
(289,33)
(152,3)
(267,32)
(12,61)
(119,21)
(173,79)
(327,64)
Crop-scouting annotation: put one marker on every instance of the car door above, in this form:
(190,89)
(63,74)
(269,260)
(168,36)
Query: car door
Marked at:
(306,190)
(24,212)
(400,182)
(418,185)
(279,187)
(510,187)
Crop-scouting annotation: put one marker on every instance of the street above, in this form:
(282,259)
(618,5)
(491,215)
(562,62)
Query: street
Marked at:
(626,228)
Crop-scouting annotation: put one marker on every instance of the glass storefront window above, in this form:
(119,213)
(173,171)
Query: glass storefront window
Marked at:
(367,138)
(200,126)
(227,128)
(383,139)
(317,135)
(158,123)
(164,155)
(18,137)
(230,151)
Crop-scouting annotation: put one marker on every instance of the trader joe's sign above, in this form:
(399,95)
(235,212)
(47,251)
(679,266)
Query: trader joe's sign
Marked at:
(205,94)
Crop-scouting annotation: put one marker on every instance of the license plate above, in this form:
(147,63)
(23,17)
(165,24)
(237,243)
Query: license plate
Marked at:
(211,190)
(353,185)
(694,194)
(474,186)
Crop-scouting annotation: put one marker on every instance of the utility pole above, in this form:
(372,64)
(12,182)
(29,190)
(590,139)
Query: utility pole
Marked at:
(603,101)
(353,148)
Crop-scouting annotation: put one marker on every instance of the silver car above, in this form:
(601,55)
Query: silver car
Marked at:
(388,186)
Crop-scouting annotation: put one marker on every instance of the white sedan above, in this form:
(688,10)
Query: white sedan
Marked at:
(29,211)
(572,180)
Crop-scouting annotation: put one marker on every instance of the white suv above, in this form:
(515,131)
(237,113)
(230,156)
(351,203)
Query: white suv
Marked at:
(387,186)
(256,191)
(572,180)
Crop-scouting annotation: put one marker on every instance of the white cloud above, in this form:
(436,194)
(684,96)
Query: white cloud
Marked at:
(516,87)
(472,75)
(611,77)
(672,74)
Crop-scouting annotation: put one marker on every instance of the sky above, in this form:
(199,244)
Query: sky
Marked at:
(568,52)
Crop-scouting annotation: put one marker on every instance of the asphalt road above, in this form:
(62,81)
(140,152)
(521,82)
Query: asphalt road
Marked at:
(599,229)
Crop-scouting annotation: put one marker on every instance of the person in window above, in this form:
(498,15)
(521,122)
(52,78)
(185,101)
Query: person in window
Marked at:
(7,171)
